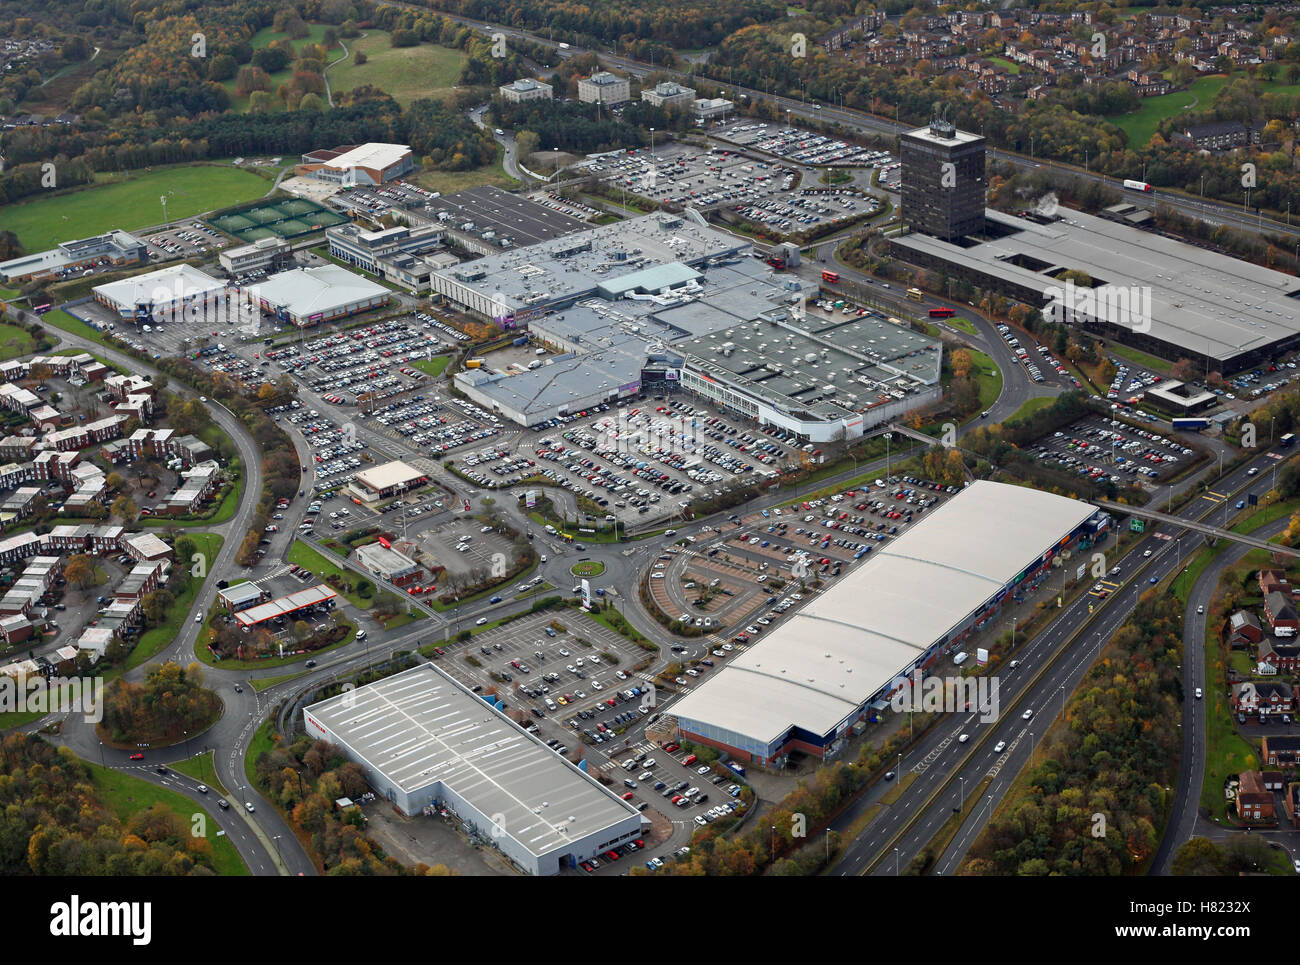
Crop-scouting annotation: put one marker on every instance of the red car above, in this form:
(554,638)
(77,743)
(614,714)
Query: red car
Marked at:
(670,747)
(137,757)
(627,796)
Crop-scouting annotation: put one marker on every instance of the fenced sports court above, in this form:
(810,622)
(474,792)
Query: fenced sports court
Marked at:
(286,218)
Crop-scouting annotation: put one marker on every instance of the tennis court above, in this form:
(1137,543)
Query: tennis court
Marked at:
(290,218)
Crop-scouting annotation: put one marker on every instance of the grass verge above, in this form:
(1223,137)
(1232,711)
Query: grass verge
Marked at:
(126,795)
(157,638)
(200,768)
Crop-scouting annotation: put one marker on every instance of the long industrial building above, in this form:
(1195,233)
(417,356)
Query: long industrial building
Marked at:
(1143,289)
(836,661)
(426,741)
(115,247)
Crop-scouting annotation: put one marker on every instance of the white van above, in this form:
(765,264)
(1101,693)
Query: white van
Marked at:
(960,658)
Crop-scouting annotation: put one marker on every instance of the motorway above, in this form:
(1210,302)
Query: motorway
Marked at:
(1050,667)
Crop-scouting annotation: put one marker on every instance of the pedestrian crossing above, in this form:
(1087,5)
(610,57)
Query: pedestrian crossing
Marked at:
(428,466)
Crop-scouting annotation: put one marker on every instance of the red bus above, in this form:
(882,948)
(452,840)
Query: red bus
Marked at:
(942,313)
(831,276)
(384,543)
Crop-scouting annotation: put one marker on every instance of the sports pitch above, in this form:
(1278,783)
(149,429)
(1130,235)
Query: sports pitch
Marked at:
(287,218)
(129,203)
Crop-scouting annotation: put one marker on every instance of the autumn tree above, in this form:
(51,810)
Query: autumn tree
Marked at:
(155,606)
(125,509)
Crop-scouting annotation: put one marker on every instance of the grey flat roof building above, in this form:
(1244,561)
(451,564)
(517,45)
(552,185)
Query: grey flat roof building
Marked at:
(117,246)
(519,220)
(825,379)
(425,740)
(517,284)
(683,302)
(1221,312)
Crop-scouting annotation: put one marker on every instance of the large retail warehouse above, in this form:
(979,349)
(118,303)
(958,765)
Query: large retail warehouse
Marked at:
(805,686)
(424,740)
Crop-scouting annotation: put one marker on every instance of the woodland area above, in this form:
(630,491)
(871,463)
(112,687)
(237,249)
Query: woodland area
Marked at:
(1115,755)
(304,779)
(53,823)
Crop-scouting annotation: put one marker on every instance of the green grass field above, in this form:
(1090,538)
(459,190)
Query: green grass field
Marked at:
(125,795)
(266,36)
(129,203)
(1141,124)
(962,325)
(990,386)
(433,367)
(1030,407)
(449,182)
(201,769)
(1012,68)
(157,638)
(15,341)
(1141,358)
(407,73)
(265,683)
(61,319)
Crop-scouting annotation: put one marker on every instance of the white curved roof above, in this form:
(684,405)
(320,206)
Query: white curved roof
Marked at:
(835,652)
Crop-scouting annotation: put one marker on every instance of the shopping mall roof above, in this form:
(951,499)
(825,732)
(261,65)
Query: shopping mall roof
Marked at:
(844,646)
